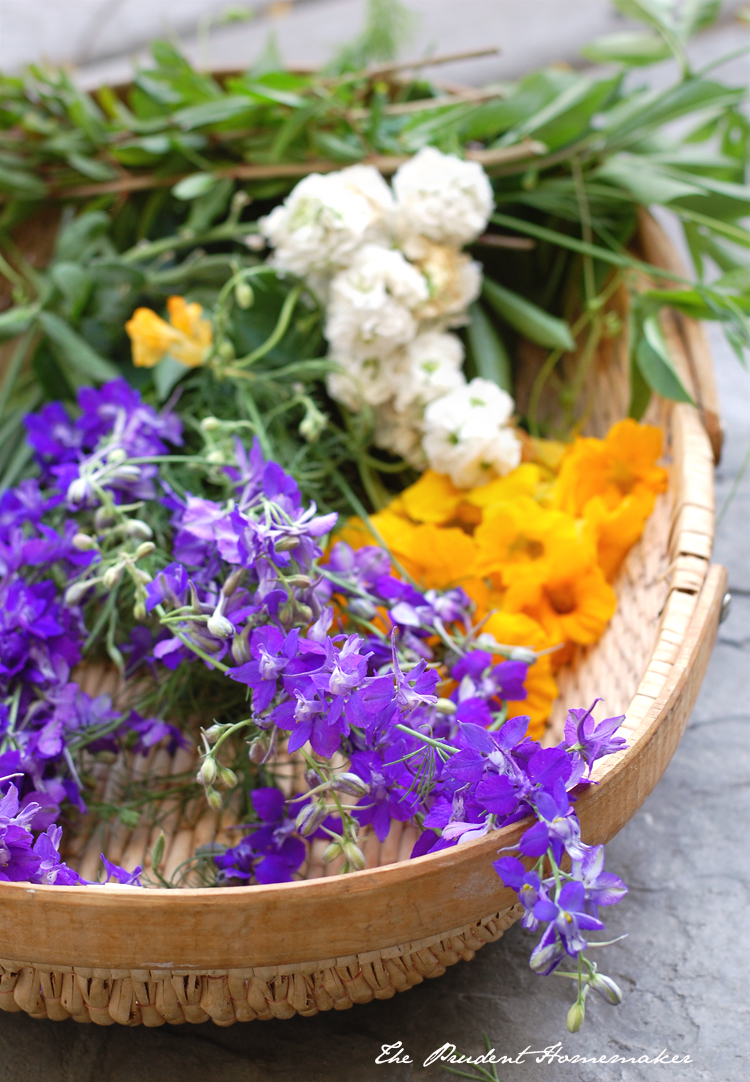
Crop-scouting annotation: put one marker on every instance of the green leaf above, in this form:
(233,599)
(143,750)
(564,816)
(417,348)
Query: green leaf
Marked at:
(656,365)
(527,318)
(647,181)
(655,13)
(627,47)
(90,167)
(214,112)
(15,321)
(74,352)
(698,15)
(491,360)
(74,238)
(195,185)
(21,185)
(343,150)
(75,283)
(167,373)
(640,391)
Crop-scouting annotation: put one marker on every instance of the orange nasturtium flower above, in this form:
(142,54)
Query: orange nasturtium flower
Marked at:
(187,337)
(567,594)
(520,532)
(612,484)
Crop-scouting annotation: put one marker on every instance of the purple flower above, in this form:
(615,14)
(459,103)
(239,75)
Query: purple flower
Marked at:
(589,740)
(121,876)
(602,888)
(479,678)
(567,919)
(557,827)
(388,797)
(271,652)
(272,853)
(170,586)
(527,885)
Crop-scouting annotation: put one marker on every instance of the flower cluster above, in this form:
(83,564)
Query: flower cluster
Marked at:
(388,265)
(538,548)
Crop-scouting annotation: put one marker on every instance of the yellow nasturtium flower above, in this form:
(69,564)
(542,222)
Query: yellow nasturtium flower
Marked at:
(187,337)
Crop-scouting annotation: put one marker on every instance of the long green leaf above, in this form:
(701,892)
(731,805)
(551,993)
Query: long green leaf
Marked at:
(527,318)
(657,366)
(14,321)
(628,47)
(488,351)
(78,356)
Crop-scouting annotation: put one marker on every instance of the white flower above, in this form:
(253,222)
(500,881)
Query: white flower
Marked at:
(325,219)
(454,280)
(442,197)
(369,313)
(466,434)
(431,368)
(359,381)
(400,431)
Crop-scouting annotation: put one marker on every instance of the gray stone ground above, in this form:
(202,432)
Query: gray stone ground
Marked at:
(683,967)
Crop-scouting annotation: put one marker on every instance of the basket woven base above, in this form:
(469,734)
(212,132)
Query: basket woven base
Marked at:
(153,997)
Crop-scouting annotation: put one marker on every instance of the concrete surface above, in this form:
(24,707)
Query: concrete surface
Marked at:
(684,966)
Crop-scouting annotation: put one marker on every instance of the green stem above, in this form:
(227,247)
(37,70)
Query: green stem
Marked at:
(290,302)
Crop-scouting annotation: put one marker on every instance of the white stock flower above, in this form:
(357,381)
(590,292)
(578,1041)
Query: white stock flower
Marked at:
(400,431)
(431,368)
(454,280)
(325,219)
(369,313)
(466,434)
(442,197)
(358,381)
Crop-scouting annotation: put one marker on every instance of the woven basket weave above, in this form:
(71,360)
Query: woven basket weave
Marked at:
(119,955)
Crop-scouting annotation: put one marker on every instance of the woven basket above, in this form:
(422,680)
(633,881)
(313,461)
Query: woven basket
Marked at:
(122,955)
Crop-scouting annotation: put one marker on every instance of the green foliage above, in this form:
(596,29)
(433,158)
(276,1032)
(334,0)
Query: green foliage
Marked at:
(177,141)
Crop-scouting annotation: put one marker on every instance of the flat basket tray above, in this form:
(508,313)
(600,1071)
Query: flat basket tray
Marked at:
(122,955)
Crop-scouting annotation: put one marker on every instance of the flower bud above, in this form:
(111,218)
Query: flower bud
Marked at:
(116,455)
(226,351)
(313,423)
(77,490)
(576,1015)
(286,544)
(83,542)
(219,626)
(354,855)
(310,818)
(139,529)
(331,852)
(445,706)
(139,611)
(300,581)
(112,575)
(240,648)
(243,294)
(214,799)
(351,784)
(606,988)
(103,518)
(362,607)
(216,457)
(522,653)
(313,778)
(259,749)
(213,732)
(75,593)
(208,772)
(233,582)
(141,577)
(255,242)
(144,549)
(211,424)
(227,777)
